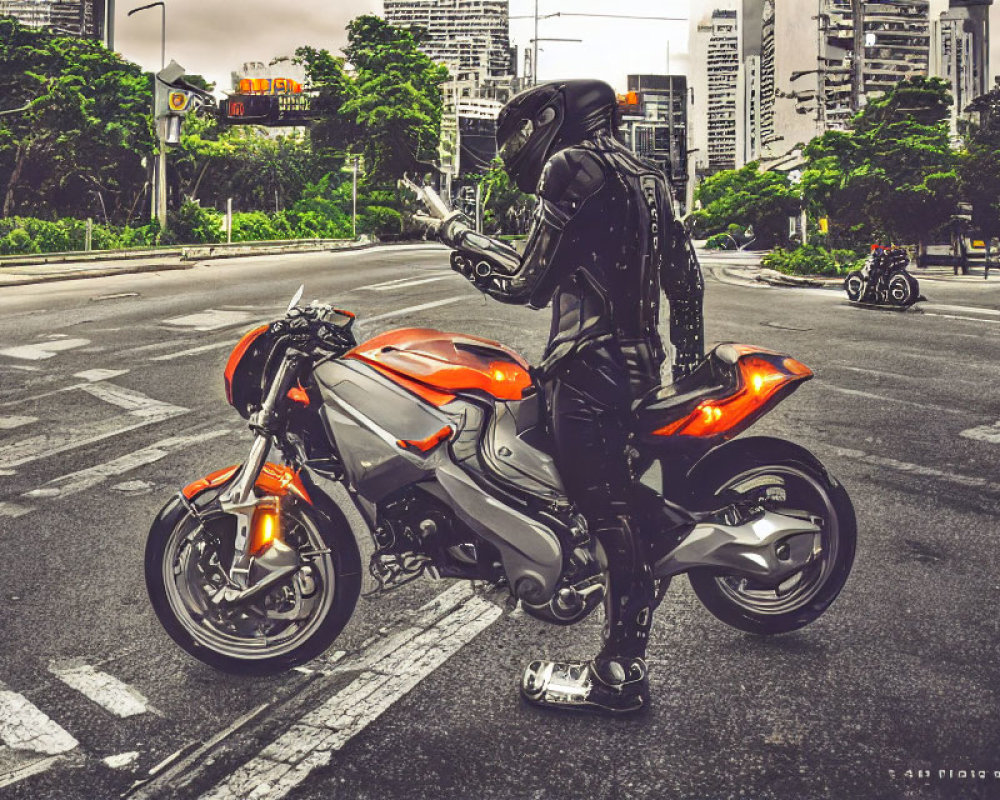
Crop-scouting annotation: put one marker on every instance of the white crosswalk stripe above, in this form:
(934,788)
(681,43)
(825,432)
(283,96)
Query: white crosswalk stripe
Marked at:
(210,319)
(105,690)
(312,741)
(42,350)
(25,727)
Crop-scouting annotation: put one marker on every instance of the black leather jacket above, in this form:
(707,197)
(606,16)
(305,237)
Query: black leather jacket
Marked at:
(604,242)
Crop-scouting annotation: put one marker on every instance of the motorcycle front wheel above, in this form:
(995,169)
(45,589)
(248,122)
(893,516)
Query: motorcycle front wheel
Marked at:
(903,289)
(288,623)
(799,490)
(854,285)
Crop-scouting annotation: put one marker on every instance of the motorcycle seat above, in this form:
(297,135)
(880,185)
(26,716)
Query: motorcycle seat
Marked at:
(716,376)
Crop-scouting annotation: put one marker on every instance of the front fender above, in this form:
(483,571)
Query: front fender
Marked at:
(274,479)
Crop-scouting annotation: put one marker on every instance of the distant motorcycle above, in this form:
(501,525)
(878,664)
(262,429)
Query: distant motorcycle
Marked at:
(883,280)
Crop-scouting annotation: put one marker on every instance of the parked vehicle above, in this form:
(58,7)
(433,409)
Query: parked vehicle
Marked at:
(883,280)
(439,441)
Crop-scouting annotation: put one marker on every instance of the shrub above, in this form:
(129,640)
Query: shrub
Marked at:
(18,242)
(380,220)
(810,260)
(192,224)
(720,241)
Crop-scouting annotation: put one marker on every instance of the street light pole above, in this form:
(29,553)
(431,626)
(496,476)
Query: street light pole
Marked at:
(159,209)
(163,27)
(534,54)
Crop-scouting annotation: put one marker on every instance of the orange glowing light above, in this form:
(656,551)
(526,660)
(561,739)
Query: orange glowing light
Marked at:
(761,379)
(265,526)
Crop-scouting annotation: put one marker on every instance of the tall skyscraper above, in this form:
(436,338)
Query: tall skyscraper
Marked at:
(470,36)
(960,52)
(75,17)
(718,51)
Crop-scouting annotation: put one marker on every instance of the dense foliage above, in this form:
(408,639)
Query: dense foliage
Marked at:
(80,126)
(893,176)
(748,198)
(76,141)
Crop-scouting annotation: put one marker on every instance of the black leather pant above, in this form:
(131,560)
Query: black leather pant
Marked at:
(589,398)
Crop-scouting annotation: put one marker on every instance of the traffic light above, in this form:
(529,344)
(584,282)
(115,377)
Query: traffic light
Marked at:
(173,98)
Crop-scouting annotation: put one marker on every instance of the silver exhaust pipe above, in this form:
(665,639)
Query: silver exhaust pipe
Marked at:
(770,548)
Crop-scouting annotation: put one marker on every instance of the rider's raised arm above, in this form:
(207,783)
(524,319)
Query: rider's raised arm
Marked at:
(569,179)
(684,285)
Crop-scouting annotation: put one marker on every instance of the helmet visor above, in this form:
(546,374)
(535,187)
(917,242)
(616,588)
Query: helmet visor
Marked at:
(516,143)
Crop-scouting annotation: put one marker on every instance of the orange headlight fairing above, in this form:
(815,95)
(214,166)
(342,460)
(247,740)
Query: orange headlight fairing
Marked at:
(234,358)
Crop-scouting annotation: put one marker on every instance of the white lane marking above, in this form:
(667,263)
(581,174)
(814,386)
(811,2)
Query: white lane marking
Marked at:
(25,727)
(135,403)
(395,281)
(967,319)
(121,760)
(75,482)
(884,399)
(312,741)
(100,374)
(193,351)
(22,771)
(133,487)
(9,423)
(983,433)
(967,309)
(105,690)
(146,409)
(210,320)
(913,469)
(13,510)
(406,284)
(42,350)
(402,312)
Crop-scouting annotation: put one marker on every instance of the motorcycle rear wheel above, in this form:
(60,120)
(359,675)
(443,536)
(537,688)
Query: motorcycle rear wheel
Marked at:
(185,559)
(796,489)
(902,290)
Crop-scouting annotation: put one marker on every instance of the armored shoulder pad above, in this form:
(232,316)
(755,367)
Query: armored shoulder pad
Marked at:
(570,177)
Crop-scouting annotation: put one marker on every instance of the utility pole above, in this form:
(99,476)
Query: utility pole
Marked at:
(109,24)
(354,197)
(858,59)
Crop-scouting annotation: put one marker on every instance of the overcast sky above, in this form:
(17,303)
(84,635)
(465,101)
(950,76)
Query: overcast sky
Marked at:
(214,37)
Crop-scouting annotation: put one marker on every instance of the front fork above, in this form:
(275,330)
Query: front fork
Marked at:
(239,499)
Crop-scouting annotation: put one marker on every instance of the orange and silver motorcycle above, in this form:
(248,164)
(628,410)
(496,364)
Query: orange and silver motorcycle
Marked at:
(440,442)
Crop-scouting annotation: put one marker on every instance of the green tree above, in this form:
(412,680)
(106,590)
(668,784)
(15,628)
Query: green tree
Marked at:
(979,167)
(77,145)
(506,209)
(893,176)
(396,102)
(749,198)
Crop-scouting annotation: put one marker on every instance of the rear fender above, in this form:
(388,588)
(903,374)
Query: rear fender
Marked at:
(767,449)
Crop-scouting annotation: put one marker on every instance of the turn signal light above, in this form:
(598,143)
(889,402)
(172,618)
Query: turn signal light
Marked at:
(265,527)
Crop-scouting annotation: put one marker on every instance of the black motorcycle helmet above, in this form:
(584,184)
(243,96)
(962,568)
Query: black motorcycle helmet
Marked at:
(547,118)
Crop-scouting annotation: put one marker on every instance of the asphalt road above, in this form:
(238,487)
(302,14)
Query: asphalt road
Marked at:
(111,398)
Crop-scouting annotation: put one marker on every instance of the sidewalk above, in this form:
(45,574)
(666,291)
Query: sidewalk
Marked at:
(743,271)
(87,266)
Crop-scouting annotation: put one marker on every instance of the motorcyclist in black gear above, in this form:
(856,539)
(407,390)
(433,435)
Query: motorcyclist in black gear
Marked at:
(603,242)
